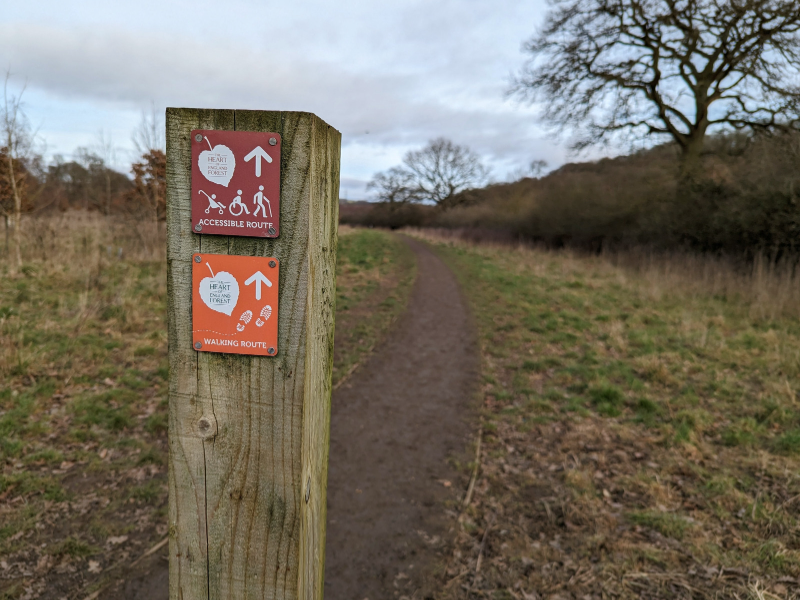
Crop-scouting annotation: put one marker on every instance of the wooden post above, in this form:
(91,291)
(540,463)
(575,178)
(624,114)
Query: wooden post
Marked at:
(248,436)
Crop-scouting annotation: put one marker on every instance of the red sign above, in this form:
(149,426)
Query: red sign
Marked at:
(235,304)
(236,183)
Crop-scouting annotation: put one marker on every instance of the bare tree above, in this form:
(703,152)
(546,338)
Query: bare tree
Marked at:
(92,187)
(534,170)
(107,152)
(677,68)
(149,134)
(435,173)
(537,167)
(395,186)
(17,140)
(150,169)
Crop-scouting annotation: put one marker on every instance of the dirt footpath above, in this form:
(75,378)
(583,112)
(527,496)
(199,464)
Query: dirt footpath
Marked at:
(393,427)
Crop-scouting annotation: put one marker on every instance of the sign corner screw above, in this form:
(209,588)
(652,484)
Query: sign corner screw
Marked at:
(198,345)
(198,227)
(272,141)
(270,350)
(198,259)
(272,263)
(272,231)
(198,137)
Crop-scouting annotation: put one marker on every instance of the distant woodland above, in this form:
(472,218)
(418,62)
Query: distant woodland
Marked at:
(87,183)
(746,200)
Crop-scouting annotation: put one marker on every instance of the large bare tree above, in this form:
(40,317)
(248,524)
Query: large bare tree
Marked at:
(435,173)
(676,68)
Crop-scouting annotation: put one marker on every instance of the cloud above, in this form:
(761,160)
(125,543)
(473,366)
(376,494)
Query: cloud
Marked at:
(390,76)
(132,69)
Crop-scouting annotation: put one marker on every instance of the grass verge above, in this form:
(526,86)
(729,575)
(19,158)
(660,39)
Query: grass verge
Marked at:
(83,395)
(638,441)
(374,273)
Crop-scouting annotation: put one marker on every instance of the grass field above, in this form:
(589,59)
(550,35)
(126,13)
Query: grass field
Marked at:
(640,438)
(83,402)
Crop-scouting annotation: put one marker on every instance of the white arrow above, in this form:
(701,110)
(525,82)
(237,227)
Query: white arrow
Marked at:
(258,153)
(258,278)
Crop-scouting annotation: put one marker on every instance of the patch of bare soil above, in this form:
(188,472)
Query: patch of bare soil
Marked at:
(398,428)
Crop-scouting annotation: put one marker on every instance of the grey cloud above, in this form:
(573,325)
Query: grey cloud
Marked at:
(397,107)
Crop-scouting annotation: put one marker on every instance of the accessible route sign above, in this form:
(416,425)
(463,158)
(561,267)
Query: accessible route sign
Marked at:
(236,183)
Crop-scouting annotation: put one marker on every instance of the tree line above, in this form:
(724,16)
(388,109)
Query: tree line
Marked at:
(747,202)
(711,87)
(31,185)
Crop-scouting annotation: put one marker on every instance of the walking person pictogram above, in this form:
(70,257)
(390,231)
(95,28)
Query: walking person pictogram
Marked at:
(237,202)
(259,199)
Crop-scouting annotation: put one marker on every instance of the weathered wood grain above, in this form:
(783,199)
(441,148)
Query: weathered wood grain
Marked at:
(249,435)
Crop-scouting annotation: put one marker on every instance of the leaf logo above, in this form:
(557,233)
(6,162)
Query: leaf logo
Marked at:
(217,164)
(220,292)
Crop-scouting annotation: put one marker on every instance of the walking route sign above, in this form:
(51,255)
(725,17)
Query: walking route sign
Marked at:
(235,304)
(236,182)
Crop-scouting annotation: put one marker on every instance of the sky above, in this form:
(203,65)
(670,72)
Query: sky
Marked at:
(389,75)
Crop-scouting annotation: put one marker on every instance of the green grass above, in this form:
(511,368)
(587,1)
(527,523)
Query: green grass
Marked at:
(634,359)
(147,492)
(639,408)
(33,486)
(789,442)
(110,410)
(669,525)
(73,547)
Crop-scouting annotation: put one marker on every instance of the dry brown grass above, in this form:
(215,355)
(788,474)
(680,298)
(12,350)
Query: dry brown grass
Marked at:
(770,289)
(76,238)
(83,375)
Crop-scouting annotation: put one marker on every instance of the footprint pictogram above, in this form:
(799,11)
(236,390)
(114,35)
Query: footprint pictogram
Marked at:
(246,316)
(265,313)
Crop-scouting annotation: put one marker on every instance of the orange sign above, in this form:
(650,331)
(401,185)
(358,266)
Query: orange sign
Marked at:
(235,304)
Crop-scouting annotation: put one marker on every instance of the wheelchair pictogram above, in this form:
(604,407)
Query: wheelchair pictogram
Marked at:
(237,202)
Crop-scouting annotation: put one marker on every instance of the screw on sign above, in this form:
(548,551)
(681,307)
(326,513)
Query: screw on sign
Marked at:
(236,183)
(235,304)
